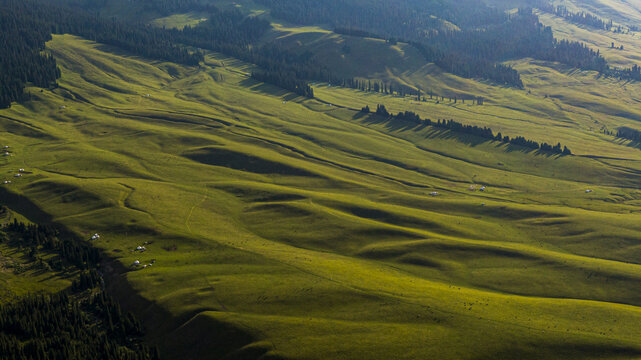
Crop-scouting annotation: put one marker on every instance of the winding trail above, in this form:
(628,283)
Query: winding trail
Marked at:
(191,211)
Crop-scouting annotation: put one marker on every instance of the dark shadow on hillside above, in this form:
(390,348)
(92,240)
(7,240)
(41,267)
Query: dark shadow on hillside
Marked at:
(570,349)
(434,132)
(266,89)
(391,125)
(122,53)
(526,150)
(514,148)
(244,162)
(18,127)
(177,337)
(548,154)
(467,139)
(629,143)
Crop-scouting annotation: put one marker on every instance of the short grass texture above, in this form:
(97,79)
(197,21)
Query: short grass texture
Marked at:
(290,228)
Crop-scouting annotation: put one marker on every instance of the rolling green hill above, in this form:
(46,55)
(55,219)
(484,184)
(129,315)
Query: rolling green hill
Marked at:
(626,12)
(287,227)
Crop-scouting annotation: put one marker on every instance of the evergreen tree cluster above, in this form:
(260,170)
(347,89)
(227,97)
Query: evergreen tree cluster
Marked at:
(287,81)
(82,322)
(625,132)
(138,7)
(581,18)
(22,41)
(169,7)
(632,73)
(577,55)
(46,238)
(58,326)
(222,30)
(464,66)
(391,88)
(483,132)
(387,88)
(356,32)
(87,279)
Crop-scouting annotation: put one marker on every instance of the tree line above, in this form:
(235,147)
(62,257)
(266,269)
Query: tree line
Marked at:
(580,17)
(38,238)
(287,81)
(483,132)
(21,61)
(25,26)
(477,53)
(391,88)
(81,322)
(387,88)
(625,132)
(137,7)
(357,32)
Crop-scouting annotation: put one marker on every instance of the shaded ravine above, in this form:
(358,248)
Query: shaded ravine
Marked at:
(170,333)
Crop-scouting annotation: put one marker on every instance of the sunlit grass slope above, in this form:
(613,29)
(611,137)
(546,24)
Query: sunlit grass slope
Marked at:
(287,227)
(179,21)
(622,11)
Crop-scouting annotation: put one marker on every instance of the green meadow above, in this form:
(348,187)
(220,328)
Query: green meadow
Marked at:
(286,227)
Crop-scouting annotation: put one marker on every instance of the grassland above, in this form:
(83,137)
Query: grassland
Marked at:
(179,21)
(621,11)
(290,228)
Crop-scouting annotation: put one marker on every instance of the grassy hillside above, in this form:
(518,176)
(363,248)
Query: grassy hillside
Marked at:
(599,39)
(289,227)
(622,11)
(579,105)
